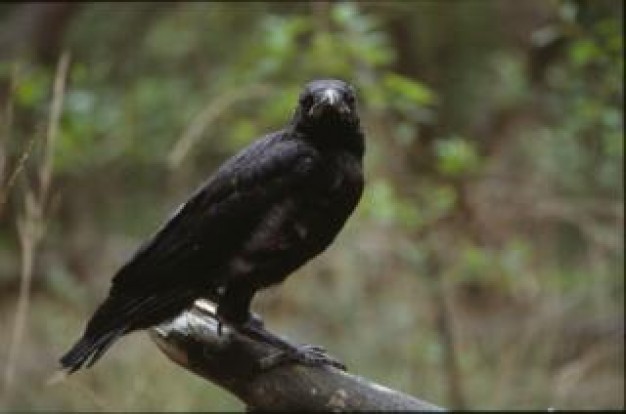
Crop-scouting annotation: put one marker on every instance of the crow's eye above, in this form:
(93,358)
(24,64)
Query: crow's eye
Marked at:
(350,99)
(306,100)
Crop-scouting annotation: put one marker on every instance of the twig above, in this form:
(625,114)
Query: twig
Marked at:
(53,126)
(21,163)
(31,224)
(207,116)
(445,328)
(7,123)
(232,361)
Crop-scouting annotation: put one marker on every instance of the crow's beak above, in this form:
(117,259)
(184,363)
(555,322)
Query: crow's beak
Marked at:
(330,97)
(329,101)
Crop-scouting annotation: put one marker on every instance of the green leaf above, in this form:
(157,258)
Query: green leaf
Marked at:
(33,88)
(456,156)
(408,88)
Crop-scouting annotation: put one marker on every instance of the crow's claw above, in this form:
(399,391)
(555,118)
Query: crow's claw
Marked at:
(310,355)
(313,348)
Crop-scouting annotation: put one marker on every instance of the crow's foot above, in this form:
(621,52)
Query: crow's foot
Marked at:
(310,355)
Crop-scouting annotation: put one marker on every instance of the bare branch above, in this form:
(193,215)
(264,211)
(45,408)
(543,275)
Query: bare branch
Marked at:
(207,116)
(232,360)
(31,225)
(58,93)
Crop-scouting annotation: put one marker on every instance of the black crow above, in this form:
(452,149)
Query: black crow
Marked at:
(263,214)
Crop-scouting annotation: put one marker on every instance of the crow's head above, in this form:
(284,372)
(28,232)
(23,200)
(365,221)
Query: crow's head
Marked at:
(327,104)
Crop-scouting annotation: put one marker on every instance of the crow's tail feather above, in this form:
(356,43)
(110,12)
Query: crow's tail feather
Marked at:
(89,349)
(106,325)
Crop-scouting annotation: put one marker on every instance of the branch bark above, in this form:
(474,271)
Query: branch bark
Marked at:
(231,361)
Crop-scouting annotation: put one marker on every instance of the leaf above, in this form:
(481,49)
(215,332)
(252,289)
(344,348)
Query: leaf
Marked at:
(408,88)
(456,156)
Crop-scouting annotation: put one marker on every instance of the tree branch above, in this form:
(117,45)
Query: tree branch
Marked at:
(231,361)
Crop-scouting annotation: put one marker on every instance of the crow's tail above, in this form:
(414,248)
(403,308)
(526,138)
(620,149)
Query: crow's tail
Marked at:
(89,349)
(118,315)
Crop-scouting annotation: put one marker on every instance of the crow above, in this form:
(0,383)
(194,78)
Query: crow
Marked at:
(264,213)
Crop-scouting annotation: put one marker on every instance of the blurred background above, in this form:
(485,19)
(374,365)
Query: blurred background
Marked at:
(483,268)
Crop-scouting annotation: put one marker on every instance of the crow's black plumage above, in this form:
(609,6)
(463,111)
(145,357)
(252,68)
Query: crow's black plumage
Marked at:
(264,213)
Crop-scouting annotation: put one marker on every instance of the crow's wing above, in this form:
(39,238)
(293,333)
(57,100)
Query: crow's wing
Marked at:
(186,255)
(207,230)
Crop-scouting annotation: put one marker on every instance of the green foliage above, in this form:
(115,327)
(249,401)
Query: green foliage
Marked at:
(456,157)
(383,205)
(504,267)
(33,88)
(586,144)
(414,93)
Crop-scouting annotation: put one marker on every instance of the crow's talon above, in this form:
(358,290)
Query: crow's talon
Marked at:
(310,355)
(313,348)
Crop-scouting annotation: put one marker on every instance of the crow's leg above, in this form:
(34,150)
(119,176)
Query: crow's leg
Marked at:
(234,309)
(253,319)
